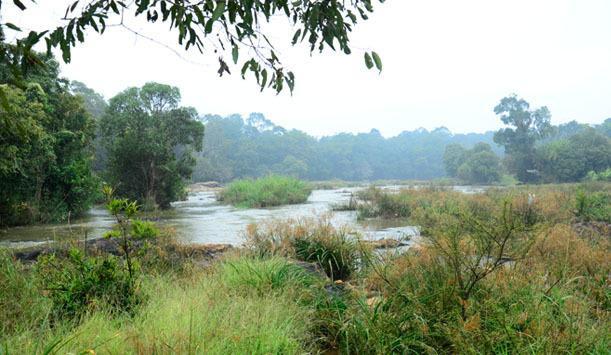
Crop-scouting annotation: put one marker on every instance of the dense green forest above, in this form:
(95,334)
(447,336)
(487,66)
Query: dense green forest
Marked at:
(237,147)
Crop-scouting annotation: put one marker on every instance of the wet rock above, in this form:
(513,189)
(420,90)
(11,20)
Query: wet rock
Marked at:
(386,243)
(111,246)
(311,268)
(205,186)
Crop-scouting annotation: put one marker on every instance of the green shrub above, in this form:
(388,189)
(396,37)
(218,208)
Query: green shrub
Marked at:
(265,192)
(338,252)
(604,175)
(80,283)
(593,206)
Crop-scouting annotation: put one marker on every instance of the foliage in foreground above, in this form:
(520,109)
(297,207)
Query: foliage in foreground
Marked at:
(241,306)
(265,192)
(506,271)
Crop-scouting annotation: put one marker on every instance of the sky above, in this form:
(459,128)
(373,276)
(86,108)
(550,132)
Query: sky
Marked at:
(446,63)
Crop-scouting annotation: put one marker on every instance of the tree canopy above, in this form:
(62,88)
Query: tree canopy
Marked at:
(45,149)
(233,30)
(526,126)
(149,139)
(478,165)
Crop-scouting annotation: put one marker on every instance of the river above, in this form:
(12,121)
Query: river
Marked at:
(201,219)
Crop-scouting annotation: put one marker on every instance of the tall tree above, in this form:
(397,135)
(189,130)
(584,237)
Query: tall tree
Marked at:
(96,105)
(45,148)
(525,128)
(453,157)
(149,139)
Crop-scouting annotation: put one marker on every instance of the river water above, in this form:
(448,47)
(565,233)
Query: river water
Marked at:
(201,219)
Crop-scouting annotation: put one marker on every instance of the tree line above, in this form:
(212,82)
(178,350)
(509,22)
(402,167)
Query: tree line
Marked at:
(535,151)
(238,147)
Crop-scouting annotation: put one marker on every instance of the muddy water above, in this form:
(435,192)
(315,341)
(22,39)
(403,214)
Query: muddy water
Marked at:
(201,219)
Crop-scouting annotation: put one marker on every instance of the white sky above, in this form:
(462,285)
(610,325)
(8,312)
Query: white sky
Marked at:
(446,63)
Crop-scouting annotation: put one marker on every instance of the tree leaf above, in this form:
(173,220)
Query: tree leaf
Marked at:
(235,54)
(19,4)
(12,27)
(377,60)
(368,61)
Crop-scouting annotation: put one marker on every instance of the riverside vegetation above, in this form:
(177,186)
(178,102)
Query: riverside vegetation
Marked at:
(269,191)
(512,270)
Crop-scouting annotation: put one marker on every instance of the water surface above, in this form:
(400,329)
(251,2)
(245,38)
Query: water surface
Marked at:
(201,219)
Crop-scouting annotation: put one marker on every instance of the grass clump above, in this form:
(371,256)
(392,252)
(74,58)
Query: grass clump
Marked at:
(336,250)
(22,305)
(265,192)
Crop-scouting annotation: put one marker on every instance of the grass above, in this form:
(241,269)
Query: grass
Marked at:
(505,271)
(242,306)
(265,192)
(337,251)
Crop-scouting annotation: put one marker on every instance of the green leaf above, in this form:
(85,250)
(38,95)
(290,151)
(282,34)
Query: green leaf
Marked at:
(377,60)
(12,27)
(218,12)
(296,36)
(19,4)
(368,61)
(235,54)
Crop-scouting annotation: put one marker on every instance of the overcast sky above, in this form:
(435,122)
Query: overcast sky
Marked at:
(446,63)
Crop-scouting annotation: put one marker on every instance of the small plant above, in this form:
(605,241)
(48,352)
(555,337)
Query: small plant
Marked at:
(129,230)
(79,283)
(474,239)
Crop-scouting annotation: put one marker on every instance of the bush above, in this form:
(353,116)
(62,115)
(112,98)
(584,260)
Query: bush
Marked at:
(265,192)
(79,283)
(604,175)
(336,251)
(594,206)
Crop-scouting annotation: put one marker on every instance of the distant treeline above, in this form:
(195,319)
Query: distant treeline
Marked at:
(237,147)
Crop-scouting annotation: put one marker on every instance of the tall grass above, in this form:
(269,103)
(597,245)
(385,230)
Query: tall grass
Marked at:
(337,251)
(265,192)
(505,271)
(22,305)
(244,306)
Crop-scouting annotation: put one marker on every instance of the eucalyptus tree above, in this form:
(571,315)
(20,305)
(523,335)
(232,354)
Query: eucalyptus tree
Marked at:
(149,139)
(526,126)
(232,30)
